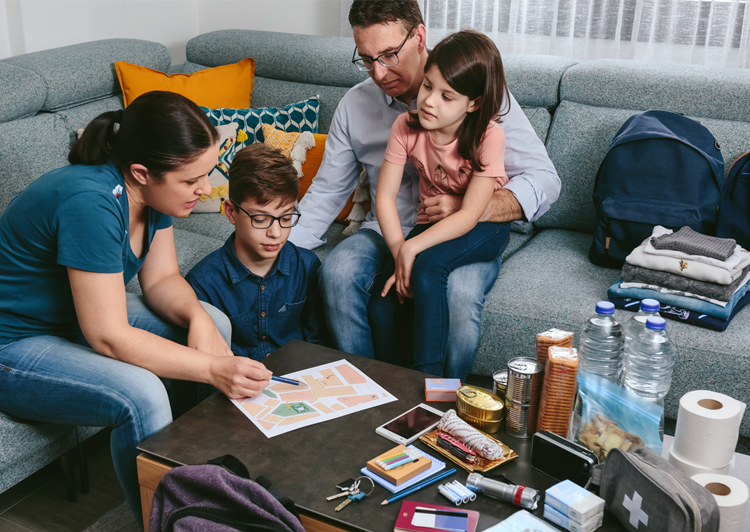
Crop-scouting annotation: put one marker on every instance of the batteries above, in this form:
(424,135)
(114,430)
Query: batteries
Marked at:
(456,492)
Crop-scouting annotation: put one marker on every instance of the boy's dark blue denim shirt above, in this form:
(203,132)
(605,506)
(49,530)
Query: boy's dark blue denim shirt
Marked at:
(265,312)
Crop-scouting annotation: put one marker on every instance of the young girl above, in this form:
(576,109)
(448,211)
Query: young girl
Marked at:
(457,146)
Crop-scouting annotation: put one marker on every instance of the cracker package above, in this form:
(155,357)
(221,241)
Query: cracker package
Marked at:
(558,390)
(549,338)
(615,418)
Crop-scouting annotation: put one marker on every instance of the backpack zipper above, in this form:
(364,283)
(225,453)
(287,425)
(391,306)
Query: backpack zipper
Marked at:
(696,509)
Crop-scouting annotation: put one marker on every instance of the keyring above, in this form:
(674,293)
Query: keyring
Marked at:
(371,482)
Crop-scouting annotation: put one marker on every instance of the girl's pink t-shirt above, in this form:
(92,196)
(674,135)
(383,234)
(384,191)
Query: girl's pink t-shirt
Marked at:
(441,168)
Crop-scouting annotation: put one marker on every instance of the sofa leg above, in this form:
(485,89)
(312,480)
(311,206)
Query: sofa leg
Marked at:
(67,470)
(83,468)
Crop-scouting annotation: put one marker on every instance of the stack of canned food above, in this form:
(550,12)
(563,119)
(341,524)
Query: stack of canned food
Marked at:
(522,397)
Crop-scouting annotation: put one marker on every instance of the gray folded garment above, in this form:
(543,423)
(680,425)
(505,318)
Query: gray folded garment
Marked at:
(692,243)
(720,292)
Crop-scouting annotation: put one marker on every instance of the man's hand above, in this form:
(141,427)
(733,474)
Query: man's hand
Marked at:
(239,377)
(439,207)
(204,336)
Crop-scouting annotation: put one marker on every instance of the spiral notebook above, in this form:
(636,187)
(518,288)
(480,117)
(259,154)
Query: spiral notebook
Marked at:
(436,466)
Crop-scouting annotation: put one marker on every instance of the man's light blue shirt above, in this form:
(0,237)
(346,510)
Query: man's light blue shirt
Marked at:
(359,135)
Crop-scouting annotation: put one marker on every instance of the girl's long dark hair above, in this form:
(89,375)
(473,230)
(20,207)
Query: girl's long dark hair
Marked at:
(470,63)
(160,130)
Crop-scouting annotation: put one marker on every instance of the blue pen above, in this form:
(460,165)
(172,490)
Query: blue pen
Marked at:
(419,485)
(287,381)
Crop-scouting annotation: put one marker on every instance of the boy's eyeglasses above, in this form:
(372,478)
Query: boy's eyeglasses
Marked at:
(264,221)
(388,59)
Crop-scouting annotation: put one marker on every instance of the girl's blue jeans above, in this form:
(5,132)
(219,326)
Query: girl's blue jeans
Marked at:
(429,283)
(50,379)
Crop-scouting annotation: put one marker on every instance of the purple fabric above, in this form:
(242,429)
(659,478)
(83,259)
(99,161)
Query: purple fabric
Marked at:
(210,486)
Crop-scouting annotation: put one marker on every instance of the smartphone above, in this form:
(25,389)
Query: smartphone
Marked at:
(410,425)
(562,459)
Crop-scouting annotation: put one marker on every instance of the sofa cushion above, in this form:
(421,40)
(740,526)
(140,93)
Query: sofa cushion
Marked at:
(534,80)
(696,91)
(85,72)
(225,86)
(27,446)
(563,294)
(24,92)
(577,143)
(30,148)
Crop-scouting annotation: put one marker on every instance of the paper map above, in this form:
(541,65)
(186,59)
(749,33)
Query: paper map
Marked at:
(333,390)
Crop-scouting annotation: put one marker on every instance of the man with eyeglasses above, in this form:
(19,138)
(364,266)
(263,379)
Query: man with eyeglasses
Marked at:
(268,287)
(390,39)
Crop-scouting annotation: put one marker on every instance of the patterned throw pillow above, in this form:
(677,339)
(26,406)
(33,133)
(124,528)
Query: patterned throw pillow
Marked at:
(296,117)
(219,176)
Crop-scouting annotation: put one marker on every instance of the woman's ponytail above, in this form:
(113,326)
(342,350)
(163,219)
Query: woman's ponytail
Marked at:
(94,146)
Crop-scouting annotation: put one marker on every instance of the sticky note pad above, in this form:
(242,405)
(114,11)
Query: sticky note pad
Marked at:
(441,390)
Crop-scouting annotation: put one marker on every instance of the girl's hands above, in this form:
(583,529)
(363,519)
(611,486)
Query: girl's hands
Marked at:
(402,276)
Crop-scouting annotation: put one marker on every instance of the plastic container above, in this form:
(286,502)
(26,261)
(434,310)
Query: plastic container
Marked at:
(637,323)
(602,343)
(649,361)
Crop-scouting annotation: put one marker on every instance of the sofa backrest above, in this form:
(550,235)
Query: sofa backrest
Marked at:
(598,96)
(47,96)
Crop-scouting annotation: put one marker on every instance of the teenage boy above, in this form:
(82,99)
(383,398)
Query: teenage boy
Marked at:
(266,285)
(391,46)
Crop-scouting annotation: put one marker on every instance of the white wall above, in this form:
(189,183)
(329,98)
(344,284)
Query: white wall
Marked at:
(33,25)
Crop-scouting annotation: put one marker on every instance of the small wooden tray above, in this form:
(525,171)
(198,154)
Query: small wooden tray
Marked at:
(481,464)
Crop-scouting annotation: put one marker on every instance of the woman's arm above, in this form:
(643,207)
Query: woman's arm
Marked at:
(170,296)
(389,181)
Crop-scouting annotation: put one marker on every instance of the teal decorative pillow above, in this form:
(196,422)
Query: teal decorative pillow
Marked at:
(294,118)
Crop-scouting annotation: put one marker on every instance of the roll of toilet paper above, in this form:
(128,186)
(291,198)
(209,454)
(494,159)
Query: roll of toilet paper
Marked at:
(708,425)
(691,469)
(731,494)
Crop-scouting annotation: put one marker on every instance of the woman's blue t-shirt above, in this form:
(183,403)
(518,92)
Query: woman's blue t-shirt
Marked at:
(75,216)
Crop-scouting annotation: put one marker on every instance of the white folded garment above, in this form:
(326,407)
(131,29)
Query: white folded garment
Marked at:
(687,268)
(739,259)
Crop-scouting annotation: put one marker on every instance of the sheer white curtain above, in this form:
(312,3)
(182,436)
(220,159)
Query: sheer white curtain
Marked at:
(704,32)
(710,32)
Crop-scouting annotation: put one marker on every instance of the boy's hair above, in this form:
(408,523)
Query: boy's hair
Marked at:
(264,174)
(366,13)
(470,63)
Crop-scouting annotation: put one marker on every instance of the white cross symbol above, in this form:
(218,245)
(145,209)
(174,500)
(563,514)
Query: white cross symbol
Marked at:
(634,507)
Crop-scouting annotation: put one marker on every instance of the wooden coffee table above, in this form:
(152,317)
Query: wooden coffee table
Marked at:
(307,463)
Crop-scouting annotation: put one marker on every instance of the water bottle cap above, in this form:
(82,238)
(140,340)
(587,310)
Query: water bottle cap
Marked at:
(656,323)
(650,305)
(605,307)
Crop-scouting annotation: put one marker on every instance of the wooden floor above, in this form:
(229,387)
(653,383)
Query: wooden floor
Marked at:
(39,503)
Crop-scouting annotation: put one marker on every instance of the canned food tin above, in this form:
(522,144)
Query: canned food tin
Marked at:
(520,419)
(490,427)
(524,380)
(479,403)
(500,383)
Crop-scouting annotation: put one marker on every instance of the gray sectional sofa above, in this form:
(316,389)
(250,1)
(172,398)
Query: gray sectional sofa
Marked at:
(546,281)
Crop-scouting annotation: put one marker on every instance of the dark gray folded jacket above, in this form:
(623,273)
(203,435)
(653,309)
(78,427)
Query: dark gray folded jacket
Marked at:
(688,241)
(720,292)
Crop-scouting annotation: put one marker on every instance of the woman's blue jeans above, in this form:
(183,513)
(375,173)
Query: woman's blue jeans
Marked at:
(429,283)
(50,379)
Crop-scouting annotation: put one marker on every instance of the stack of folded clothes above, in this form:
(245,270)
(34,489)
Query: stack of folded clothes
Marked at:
(698,279)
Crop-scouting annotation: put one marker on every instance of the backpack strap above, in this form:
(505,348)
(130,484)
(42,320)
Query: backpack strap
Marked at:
(232,464)
(285,501)
(234,520)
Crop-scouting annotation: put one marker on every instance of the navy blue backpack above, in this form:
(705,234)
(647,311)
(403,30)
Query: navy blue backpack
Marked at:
(734,214)
(661,169)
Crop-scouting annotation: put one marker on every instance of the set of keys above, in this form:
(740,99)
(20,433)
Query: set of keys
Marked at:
(351,492)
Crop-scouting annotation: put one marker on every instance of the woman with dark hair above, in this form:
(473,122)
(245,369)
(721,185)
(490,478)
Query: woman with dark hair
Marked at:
(74,347)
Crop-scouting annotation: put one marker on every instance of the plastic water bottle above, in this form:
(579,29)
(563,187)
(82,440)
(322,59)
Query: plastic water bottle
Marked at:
(602,343)
(637,323)
(649,361)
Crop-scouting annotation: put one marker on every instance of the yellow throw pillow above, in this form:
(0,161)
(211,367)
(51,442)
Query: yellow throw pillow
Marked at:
(223,86)
(309,164)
